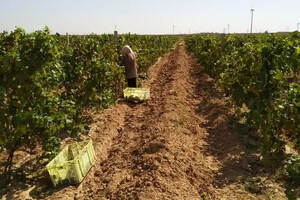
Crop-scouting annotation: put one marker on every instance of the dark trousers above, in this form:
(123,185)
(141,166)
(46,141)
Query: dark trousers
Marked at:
(131,82)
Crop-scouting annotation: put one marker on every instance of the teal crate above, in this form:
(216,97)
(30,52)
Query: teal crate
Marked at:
(72,164)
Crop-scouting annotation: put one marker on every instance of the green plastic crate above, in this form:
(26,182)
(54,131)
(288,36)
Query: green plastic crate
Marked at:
(72,164)
(137,94)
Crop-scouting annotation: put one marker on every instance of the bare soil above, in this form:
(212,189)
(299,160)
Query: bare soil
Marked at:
(181,144)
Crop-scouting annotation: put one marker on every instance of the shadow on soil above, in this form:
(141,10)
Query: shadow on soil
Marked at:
(230,142)
(131,104)
(30,180)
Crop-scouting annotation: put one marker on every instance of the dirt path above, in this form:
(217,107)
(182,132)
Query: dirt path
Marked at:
(178,145)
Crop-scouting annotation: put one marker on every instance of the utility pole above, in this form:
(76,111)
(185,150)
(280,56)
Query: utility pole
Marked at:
(228,25)
(68,39)
(298,26)
(252,10)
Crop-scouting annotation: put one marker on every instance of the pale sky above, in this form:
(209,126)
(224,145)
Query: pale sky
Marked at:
(149,16)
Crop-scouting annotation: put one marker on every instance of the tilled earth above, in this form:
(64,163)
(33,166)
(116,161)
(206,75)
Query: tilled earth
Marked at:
(178,145)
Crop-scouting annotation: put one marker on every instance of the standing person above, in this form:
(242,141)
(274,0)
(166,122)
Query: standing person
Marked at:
(129,62)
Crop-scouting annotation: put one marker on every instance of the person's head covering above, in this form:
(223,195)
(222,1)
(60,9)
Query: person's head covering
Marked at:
(126,50)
